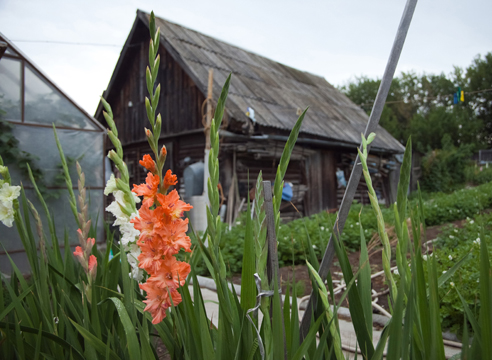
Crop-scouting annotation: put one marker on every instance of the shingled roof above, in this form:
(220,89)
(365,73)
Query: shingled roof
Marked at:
(275,91)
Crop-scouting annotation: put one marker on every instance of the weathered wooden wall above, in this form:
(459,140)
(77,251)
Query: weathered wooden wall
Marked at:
(179,104)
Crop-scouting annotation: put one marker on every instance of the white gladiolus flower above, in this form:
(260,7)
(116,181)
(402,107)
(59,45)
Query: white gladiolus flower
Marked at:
(129,233)
(134,252)
(115,209)
(9,193)
(132,256)
(137,274)
(7,213)
(110,186)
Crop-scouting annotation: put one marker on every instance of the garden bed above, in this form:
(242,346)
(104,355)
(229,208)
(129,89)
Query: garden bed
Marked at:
(303,282)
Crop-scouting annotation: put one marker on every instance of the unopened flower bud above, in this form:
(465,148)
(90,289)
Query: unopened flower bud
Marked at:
(163,154)
(92,267)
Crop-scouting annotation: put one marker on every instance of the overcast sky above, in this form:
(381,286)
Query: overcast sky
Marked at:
(339,40)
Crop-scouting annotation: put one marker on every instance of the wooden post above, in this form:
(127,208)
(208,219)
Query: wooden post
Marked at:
(272,259)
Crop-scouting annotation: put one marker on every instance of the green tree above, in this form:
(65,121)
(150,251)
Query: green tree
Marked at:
(479,77)
(423,106)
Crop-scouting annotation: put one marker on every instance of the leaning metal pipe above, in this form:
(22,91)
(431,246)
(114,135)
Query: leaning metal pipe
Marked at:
(357,169)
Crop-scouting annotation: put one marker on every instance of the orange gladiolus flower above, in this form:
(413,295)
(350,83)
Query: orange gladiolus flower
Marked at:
(172,273)
(158,301)
(152,253)
(148,163)
(174,237)
(173,207)
(149,189)
(170,179)
(149,221)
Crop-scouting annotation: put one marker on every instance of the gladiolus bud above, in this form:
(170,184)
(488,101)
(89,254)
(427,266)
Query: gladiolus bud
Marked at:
(79,254)
(92,267)
(89,244)
(163,155)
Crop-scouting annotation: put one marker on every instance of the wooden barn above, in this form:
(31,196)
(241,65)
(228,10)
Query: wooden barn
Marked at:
(252,141)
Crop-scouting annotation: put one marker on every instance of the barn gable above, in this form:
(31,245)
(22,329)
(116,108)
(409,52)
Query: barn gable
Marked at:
(329,135)
(275,91)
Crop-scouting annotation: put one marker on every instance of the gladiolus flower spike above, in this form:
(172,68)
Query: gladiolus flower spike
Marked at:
(156,232)
(162,235)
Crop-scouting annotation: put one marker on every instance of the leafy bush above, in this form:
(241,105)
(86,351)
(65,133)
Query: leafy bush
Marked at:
(458,205)
(452,245)
(444,170)
(478,174)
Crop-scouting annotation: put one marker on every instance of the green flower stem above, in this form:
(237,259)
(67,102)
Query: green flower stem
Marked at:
(379,215)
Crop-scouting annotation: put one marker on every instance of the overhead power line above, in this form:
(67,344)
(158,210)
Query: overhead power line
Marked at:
(428,97)
(66,43)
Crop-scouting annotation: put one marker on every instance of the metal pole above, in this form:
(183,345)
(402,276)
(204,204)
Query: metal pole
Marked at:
(357,169)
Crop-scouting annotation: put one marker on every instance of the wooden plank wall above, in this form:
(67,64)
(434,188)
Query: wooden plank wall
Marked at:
(321,180)
(179,104)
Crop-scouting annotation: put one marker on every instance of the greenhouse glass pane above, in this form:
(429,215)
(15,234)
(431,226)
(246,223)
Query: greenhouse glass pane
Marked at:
(64,220)
(10,89)
(46,105)
(82,146)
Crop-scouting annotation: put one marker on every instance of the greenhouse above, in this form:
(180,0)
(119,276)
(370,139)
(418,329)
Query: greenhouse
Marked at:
(30,104)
